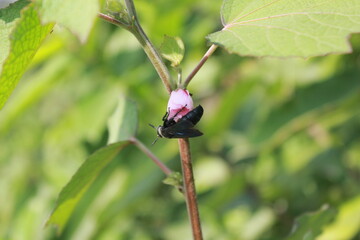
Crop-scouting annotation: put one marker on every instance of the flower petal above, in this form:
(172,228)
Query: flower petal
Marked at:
(180,103)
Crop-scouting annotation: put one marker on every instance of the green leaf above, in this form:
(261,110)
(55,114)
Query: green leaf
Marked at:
(122,124)
(115,6)
(30,92)
(288,27)
(347,222)
(309,99)
(20,39)
(72,193)
(174,179)
(76,15)
(117,9)
(172,49)
(310,225)
(8,19)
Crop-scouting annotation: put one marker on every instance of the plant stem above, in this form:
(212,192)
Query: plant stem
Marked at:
(148,47)
(136,29)
(148,153)
(209,52)
(184,146)
(189,188)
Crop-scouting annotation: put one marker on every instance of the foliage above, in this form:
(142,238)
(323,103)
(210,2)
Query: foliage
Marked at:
(26,36)
(72,193)
(281,135)
(76,15)
(287,28)
(310,225)
(172,49)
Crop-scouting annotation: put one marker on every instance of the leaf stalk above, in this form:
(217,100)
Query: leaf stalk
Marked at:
(148,153)
(208,53)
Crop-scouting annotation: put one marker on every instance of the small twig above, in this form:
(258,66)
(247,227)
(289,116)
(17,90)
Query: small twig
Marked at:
(114,21)
(189,187)
(209,52)
(148,153)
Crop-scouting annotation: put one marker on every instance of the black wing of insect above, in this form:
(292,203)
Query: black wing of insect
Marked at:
(181,129)
(194,115)
(184,127)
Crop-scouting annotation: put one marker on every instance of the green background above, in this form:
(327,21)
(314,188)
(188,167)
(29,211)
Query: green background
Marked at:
(281,137)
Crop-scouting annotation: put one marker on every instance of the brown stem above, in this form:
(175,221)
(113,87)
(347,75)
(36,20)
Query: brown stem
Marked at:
(209,52)
(148,153)
(189,187)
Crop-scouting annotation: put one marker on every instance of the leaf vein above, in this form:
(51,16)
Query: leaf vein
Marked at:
(257,9)
(270,41)
(325,24)
(239,38)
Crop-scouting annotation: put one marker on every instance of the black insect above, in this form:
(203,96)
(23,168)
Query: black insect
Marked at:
(183,128)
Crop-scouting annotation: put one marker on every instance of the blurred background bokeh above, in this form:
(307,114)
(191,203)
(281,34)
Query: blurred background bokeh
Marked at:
(282,137)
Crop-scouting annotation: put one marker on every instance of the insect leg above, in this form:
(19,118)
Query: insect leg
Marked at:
(166,115)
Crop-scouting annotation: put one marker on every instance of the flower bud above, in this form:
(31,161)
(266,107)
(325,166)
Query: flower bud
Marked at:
(180,103)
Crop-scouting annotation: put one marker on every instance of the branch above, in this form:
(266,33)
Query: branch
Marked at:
(114,21)
(148,153)
(146,44)
(189,187)
(209,52)
(148,47)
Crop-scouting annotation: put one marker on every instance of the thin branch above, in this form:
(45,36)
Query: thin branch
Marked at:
(209,52)
(189,187)
(148,153)
(150,50)
(148,47)
(114,21)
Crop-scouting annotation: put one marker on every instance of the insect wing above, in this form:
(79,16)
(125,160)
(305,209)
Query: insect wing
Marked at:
(195,115)
(183,129)
(188,133)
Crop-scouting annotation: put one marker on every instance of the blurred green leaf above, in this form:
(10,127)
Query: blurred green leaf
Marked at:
(306,100)
(346,224)
(122,124)
(234,98)
(310,225)
(141,182)
(76,15)
(21,37)
(117,9)
(30,92)
(173,49)
(174,179)
(115,6)
(72,193)
(287,28)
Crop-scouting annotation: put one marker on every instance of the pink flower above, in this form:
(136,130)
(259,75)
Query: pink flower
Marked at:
(180,103)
